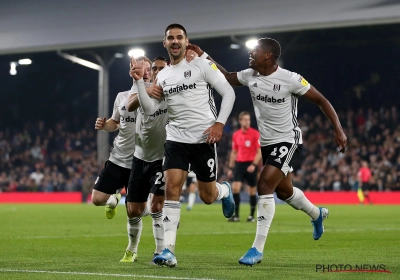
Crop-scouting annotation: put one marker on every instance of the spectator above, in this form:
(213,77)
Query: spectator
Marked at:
(37,175)
(374,136)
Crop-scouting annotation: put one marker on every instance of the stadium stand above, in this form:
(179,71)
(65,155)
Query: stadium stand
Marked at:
(37,158)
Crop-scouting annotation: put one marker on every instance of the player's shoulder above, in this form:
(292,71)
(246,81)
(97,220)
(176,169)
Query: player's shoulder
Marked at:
(165,70)
(164,75)
(198,61)
(248,73)
(287,73)
(295,80)
(202,63)
(124,94)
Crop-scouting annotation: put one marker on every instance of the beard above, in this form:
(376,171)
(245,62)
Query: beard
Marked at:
(177,55)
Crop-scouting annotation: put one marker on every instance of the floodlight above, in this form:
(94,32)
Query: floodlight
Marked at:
(13,68)
(136,53)
(25,61)
(251,43)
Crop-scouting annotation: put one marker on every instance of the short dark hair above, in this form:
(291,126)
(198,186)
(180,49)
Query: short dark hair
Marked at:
(175,25)
(271,45)
(160,58)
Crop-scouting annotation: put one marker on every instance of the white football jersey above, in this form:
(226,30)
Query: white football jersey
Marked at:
(124,144)
(151,134)
(275,104)
(188,92)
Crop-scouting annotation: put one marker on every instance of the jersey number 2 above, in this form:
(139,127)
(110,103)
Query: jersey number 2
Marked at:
(157,182)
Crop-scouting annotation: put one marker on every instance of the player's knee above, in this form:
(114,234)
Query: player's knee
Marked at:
(172,189)
(252,191)
(156,206)
(236,189)
(264,187)
(134,211)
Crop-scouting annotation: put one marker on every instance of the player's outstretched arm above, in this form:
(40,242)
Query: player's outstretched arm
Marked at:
(326,107)
(231,77)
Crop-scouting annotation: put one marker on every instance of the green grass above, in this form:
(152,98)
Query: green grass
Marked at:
(79,239)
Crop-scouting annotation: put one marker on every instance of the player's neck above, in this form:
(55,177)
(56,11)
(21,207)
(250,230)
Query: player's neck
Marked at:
(177,60)
(244,129)
(268,69)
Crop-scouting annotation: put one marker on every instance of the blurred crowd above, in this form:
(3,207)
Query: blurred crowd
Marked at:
(373,136)
(37,158)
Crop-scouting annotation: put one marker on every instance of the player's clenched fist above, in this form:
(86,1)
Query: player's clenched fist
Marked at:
(100,123)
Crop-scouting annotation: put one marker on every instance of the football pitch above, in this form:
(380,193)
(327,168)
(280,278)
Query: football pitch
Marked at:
(78,242)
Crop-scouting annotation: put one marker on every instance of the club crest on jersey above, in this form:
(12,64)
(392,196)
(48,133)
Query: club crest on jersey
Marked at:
(277,88)
(187,74)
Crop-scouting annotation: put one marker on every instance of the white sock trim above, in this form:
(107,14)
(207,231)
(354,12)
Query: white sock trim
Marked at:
(223,191)
(112,201)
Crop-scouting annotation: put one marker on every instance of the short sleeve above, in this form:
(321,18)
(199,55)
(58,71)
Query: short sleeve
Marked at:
(244,75)
(210,71)
(115,114)
(298,85)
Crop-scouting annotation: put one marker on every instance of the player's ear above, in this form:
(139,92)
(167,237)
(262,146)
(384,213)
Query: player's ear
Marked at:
(163,42)
(187,42)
